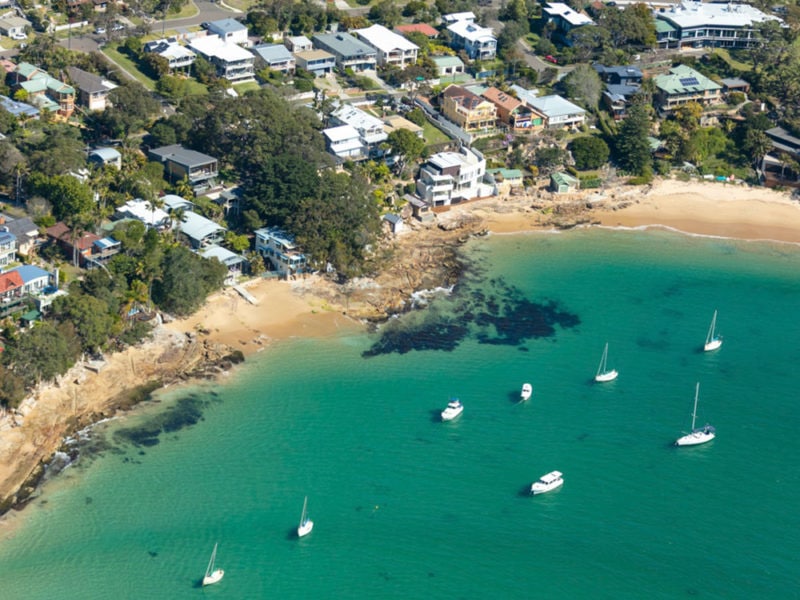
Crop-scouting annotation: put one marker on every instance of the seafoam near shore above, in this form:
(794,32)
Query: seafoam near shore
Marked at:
(300,309)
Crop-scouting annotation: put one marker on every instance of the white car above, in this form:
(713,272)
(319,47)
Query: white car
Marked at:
(100,30)
(19,36)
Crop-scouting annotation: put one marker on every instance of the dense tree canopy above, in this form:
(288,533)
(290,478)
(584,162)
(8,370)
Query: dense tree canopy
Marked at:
(186,280)
(589,152)
(632,147)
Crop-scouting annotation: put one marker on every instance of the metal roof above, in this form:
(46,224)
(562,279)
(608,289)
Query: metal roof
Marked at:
(344,44)
(197,227)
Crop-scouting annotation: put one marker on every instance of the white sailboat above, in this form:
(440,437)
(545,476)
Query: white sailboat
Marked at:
(306,524)
(213,575)
(603,373)
(699,435)
(713,341)
(527,391)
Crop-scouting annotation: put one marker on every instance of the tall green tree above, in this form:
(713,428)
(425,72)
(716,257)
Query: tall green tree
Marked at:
(632,147)
(42,353)
(589,152)
(583,85)
(186,281)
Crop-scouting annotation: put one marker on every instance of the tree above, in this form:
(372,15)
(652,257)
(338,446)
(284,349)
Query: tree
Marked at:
(584,85)
(42,353)
(632,147)
(549,158)
(90,317)
(132,108)
(186,280)
(405,143)
(756,145)
(589,152)
(68,196)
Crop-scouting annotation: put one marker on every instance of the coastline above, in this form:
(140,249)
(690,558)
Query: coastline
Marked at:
(203,345)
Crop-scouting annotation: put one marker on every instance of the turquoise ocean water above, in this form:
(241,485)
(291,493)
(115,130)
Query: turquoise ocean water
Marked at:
(408,507)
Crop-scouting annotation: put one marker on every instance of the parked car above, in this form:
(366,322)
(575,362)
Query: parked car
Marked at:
(19,36)
(117,27)
(550,58)
(99,30)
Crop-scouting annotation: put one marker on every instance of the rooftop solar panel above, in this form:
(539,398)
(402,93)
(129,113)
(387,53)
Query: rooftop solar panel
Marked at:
(689,81)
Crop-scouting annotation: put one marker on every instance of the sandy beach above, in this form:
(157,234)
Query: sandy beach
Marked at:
(306,307)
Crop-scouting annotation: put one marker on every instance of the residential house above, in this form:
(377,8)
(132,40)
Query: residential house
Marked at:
(20,110)
(478,42)
(510,111)
(317,62)
(451,177)
(344,142)
(620,75)
(8,247)
(523,94)
(180,163)
(423,28)
(26,232)
(468,110)
(683,85)
(450,18)
(201,232)
(622,83)
(105,156)
(349,52)
(34,279)
(234,262)
(395,122)
(229,31)
(173,202)
(700,24)
(392,48)
(231,61)
(146,212)
(558,112)
(88,249)
(564,183)
(178,56)
(564,19)
(279,249)
(735,84)
(298,43)
(45,92)
(448,66)
(11,295)
(92,89)
(775,166)
(370,128)
(394,222)
(504,180)
(275,57)
(12,25)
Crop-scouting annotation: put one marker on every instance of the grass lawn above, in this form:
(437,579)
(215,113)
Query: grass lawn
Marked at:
(726,56)
(242,88)
(126,63)
(433,135)
(187,10)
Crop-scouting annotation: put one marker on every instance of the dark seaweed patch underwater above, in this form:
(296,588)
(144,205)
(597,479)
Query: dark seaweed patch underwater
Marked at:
(184,413)
(501,316)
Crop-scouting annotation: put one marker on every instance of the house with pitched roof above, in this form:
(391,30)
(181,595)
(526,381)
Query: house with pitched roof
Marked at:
(423,28)
(468,110)
(564,18)
(478,42)
(12,25)
(447,66)
(8,247)
(45,92)
(92,89)
(349,52)
(558,112)
(178,56)
(201,232)
(392,48)
(276,57)
(622,83)
(179,163)
(451,177)
(280,251)
(512,112)
(231,61)
(20,110)
(683,85)
(105,156)
(25,231)
(89,249)
(234,262)
(11,294)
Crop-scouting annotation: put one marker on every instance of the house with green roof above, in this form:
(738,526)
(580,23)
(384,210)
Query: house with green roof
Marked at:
(564,183)
(448,65)
(44,92)
(683,85)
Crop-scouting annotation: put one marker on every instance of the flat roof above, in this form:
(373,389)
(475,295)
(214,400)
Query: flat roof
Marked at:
(696,14)
(470,31)
(213,45)
(227,26)
(384,39)
(559,9)
(341,133)
(182,156)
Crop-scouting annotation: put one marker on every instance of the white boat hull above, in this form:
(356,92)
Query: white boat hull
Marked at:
(607,376)
(527,392)
(712,345)
(540,488)
(448,414)
(214,577)
(700,436)
(305,528)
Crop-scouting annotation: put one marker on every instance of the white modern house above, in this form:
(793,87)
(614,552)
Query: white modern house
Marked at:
(370,129)
(177,55)
(451,177)
(230,31)
(558,112)
(344,142)
(144,211)
(232,62)
(280,250)
(392,48)
(478,42)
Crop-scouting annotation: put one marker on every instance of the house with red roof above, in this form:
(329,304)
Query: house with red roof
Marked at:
(423,28)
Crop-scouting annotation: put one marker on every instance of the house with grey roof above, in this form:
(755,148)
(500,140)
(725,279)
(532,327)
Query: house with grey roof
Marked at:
(25,231)
(280,251)
(181,163)
(622,83)
(349,52)
(298,43)
(392,48)
(274,56)
(564,19)
(20,110)
(178,56)
(201,232)
(92,89)
(683,85)
(105,156)
(558,111)
(234,262)
(230,31)
(12,25)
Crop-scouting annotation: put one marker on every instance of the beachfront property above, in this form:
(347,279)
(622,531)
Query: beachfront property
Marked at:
(564,18)
(199,231)
(180,163)
(349,52)
(178,56)
(279,250)
(558,112)
(145,212)
(478,42)
(370,128)
(450,177)
(298,43)
(92,89)
(317,62)
(683,85)
(504,180)
(511,112)
(45,92)
(230,31)
(234,262)
(468,110)
(8,247)
(448,66)
(231,61)
(779,165)
(393,50)
(564,183)
(344,142)
(699,24)
(105,157)
(275,57)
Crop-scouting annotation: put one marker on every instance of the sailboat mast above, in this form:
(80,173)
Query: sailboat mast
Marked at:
(694,411)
